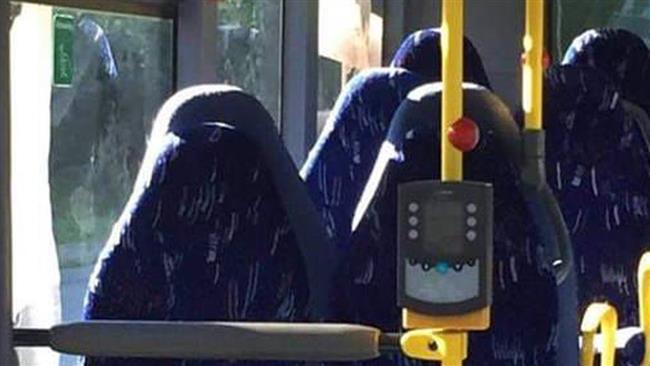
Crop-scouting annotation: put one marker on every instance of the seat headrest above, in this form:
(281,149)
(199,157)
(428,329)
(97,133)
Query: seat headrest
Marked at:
(420,53)
(620,54)
(569,87)
(195,106)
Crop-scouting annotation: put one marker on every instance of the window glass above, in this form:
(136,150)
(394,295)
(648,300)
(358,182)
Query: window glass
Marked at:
(572,17)
(84,92)
(349,40)
(248,49)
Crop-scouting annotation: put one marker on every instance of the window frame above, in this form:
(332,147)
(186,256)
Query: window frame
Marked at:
(6,343)
(155,8)
(299,88)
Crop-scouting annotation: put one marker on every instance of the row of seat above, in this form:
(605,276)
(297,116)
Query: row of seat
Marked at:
(597,163)
(221,226)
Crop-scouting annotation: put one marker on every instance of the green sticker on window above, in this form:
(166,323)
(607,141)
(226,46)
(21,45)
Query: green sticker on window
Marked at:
(64,27)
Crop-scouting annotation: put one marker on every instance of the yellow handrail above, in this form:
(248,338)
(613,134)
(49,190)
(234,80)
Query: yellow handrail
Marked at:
(452,86)
(426,344)
(603,316)
(444,338)
(644,306)
(533,64)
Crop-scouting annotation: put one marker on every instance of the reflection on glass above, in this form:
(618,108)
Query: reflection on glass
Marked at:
(77,148)
(572,17)
(350,35)
(248,49)
(122,74)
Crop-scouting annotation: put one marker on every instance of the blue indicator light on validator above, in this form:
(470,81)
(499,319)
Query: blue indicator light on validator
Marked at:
(442,267)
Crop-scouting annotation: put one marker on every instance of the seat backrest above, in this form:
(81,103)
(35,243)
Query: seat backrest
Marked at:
(339,165)
(598,164)
(524,312)
(621,55)
(420,53)
(218,225)
(613,122)
(249,118)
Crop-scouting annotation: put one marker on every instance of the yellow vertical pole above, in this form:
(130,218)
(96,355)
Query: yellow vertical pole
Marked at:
(533,65)
(452,86)
(447,332)
(644,303)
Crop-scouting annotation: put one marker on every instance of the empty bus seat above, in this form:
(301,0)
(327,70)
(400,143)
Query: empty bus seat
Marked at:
(621,55)
(608,268)
(339,164)
(420,53)
(524,312)
(598,164)
(215,226)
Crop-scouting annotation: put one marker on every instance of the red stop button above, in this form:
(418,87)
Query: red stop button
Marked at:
(464,134)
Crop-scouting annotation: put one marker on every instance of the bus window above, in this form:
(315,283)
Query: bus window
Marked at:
(572,17)
(349,40)
(85,86)
(248,48)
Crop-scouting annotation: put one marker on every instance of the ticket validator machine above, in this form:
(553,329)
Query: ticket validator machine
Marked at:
(441,305)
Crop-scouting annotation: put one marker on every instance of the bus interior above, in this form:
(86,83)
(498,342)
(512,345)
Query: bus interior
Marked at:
(287,182)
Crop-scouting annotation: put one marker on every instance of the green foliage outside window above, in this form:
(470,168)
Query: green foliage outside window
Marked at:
(123,73)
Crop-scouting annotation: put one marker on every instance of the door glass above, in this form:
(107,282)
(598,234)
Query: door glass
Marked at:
(85,87)
(349,40)
(248,49)
(572,17)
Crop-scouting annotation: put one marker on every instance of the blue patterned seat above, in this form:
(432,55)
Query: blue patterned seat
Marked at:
(338,166)
(420,53)
(364,290)
(621,55)
(524,283)
(214,227)
(599,165)
(592,151)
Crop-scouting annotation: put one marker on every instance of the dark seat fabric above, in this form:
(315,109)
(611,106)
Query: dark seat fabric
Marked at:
(616,66)
(420,53)
(206,234)
(621,55)
(598,164)
(630,347)
(225,277)
(524,311)
(338,166)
